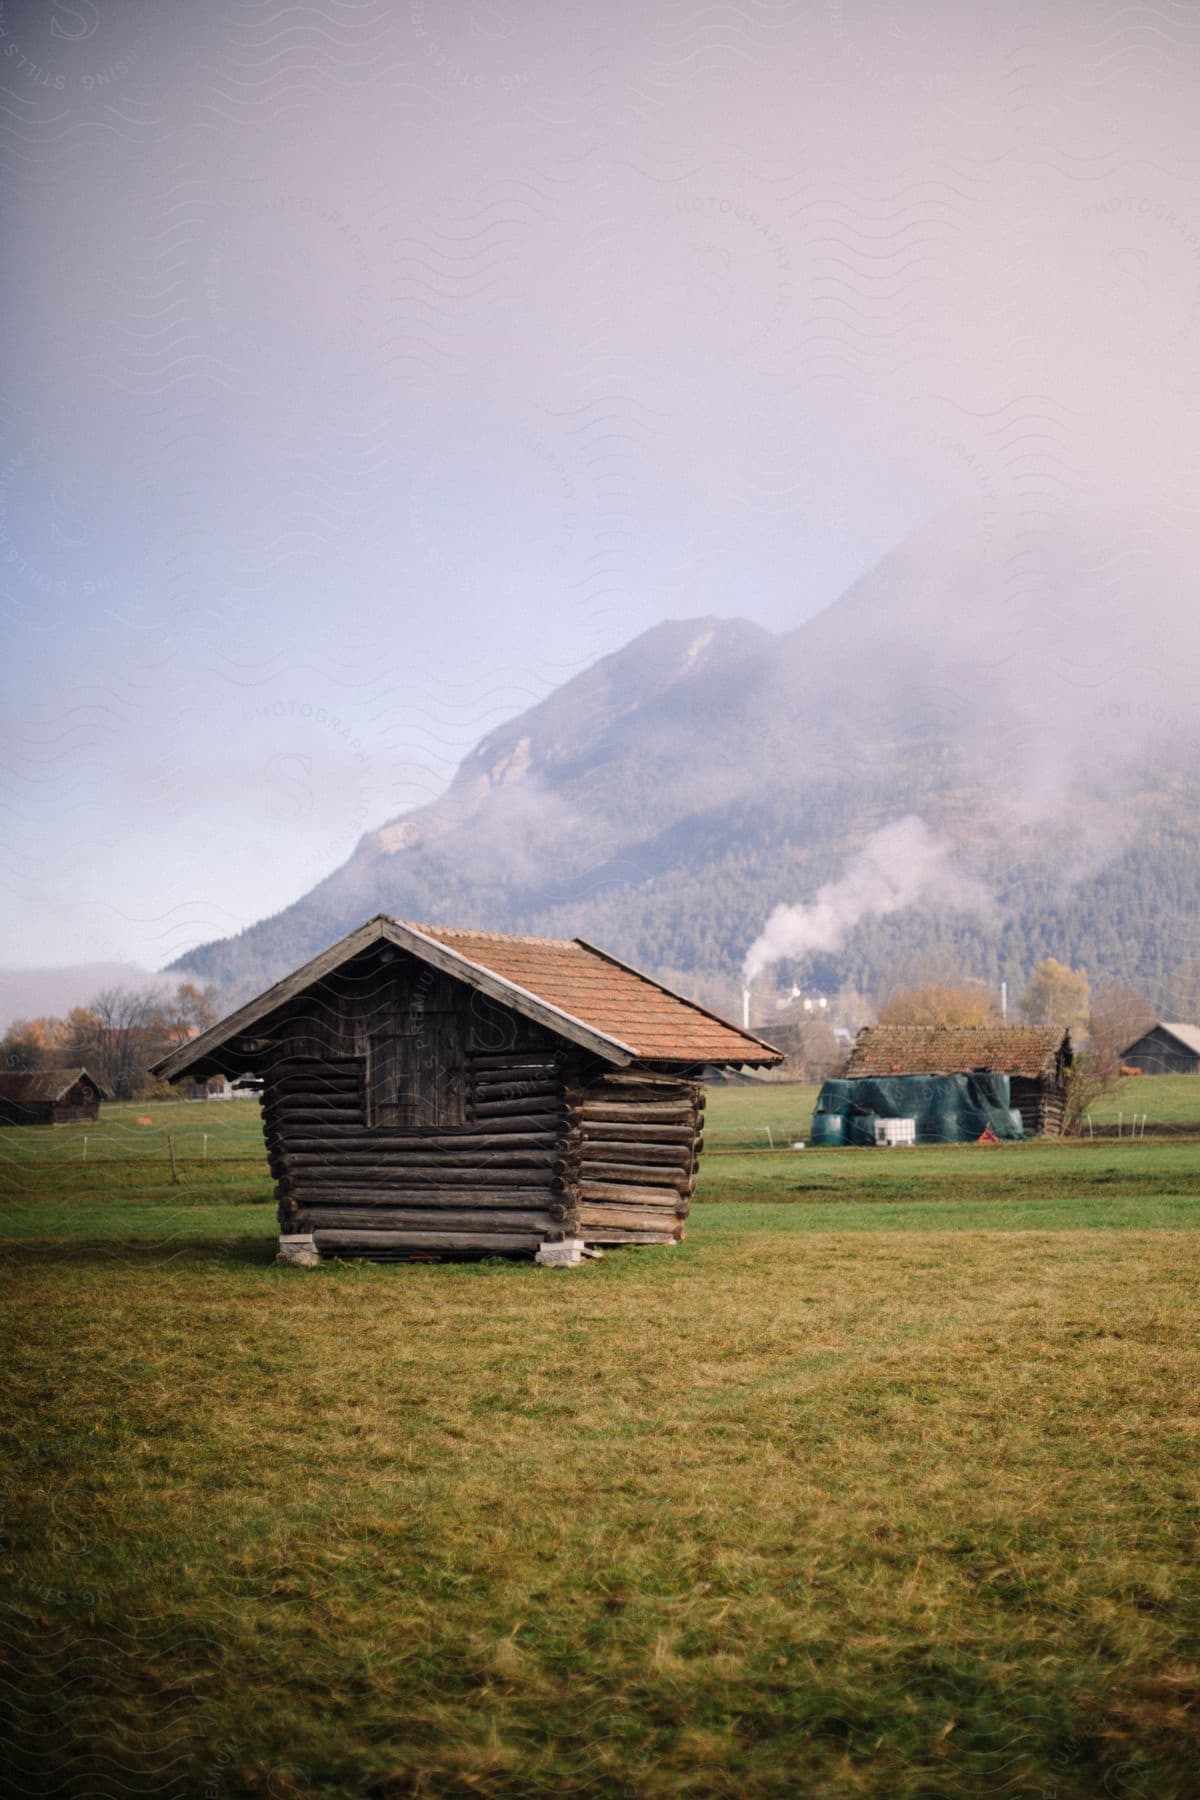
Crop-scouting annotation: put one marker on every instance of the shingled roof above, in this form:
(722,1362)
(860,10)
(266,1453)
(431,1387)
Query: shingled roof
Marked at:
(1027,1050)
(587,996)
(611,997)
(44,1084)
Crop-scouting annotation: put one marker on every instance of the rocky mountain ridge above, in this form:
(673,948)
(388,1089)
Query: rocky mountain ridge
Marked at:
(1029,694)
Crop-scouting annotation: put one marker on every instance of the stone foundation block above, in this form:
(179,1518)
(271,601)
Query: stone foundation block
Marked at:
(299,1249)
(567,1253)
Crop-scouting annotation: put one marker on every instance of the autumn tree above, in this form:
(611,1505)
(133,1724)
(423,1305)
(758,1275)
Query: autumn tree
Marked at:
(33,1044)
(936,1003)
(1056,995)
(20,1049)
(190,1010)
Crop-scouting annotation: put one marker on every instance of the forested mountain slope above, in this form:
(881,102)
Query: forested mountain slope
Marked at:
(1028,692)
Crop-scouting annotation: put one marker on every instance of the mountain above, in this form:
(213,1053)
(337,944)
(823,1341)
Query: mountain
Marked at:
(1025,689)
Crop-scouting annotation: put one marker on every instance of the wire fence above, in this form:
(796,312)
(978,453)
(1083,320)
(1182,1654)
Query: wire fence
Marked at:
(166,1155)
(133,1162)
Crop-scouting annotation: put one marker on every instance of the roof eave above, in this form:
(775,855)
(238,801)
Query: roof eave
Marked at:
(198,1049)
(711,1062)
(95,1081)
(188,1057)
(499,987)
(773,1054)
(1058,1039)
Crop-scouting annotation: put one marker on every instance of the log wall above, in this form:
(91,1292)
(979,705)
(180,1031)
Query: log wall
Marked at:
(1040,1103)
(27,1112)
(49,1112)
(634,1144)
(83,1112)
(404,1116)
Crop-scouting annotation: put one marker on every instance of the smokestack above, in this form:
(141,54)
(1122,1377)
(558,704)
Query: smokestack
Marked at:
(1004,1000)
(745,1009)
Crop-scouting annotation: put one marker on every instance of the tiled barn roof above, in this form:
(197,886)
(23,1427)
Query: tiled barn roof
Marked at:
(1028,1050)
(570,987)
(612,998)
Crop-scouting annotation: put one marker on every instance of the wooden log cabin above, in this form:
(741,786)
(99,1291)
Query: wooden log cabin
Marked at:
(1035,1058)
(430,1091)
(50,1097)
(1165,1049)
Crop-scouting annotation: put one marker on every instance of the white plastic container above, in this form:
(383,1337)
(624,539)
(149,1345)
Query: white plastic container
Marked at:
(890,1132)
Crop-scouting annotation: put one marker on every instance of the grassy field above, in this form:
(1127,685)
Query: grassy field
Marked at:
(1165,1099)
(884,1483)
(779,1112)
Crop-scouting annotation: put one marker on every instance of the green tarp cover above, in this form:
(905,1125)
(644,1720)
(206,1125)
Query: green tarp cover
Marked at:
(948,1109)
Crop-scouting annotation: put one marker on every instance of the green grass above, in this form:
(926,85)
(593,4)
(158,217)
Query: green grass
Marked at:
(138,1133)
(883,1483)
(738,1118)
(1165,1099)
(943,1178)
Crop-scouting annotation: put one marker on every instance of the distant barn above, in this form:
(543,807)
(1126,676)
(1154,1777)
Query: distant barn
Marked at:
(433,1091)
(1035,1058)
(50,1097)
(1166,1050)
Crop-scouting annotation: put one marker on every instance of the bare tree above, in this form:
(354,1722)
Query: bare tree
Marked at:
(1090,1077)
(117,1035)
(1119,1016)
(809,1046)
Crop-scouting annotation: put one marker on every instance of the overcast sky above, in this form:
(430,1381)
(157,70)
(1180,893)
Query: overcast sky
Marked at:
(372,367)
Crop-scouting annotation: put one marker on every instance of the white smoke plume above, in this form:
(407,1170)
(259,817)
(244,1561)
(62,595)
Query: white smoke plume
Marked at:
(899,865)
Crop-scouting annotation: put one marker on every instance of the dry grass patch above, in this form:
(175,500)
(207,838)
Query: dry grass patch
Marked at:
(775,1512)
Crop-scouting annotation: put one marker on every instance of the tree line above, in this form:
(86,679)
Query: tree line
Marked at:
(123,1030)
(116,1036)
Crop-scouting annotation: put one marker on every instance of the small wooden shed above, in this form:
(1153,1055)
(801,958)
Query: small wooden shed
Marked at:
(50,1097)
(1166,1049)
(434,1091)
(1034,1057)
